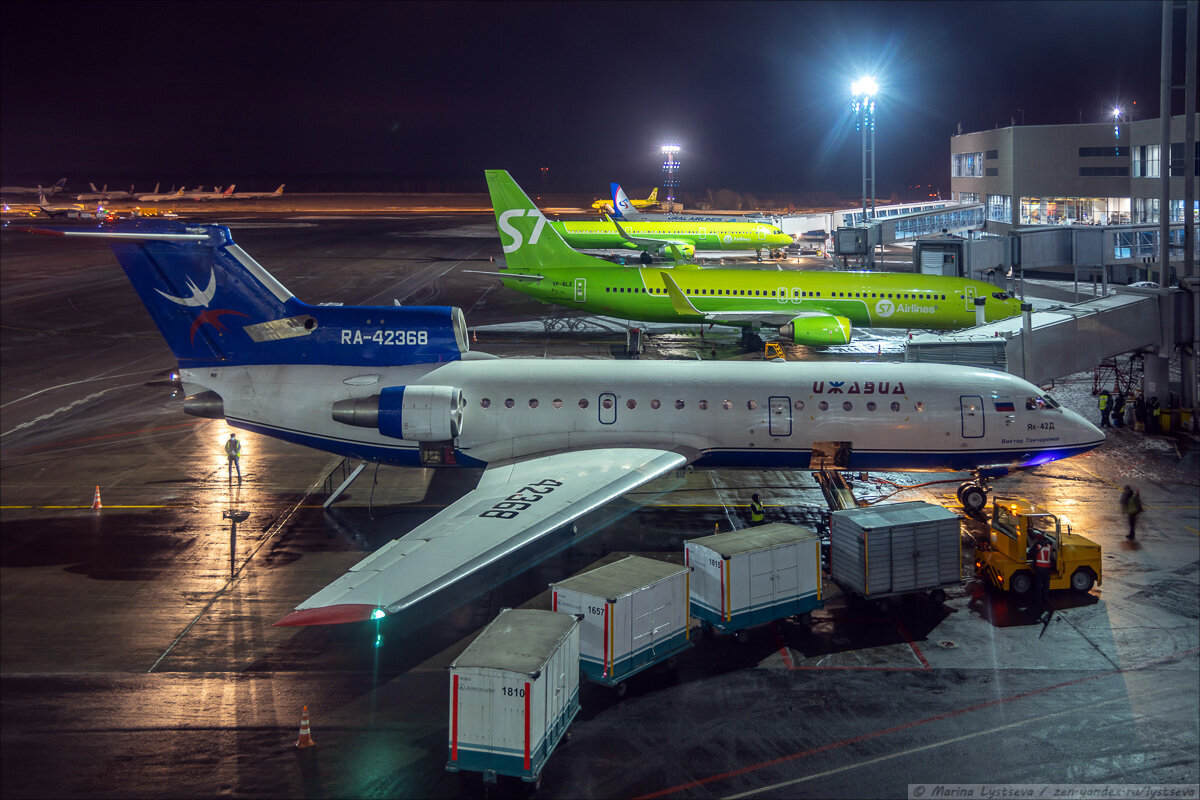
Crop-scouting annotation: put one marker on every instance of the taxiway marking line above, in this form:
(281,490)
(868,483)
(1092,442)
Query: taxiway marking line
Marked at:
(114,435)
(73,383)
(915,723)
(934,745)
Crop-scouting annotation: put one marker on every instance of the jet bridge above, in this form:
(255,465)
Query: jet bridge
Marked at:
(1045,345)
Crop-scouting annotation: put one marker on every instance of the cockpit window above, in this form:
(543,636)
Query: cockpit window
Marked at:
(1041,403)
(1002,295)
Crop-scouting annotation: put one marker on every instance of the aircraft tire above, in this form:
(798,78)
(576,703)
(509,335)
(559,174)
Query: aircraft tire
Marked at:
(973,498)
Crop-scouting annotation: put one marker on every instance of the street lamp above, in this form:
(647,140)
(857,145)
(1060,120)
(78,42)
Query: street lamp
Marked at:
(864,90)
(670,171)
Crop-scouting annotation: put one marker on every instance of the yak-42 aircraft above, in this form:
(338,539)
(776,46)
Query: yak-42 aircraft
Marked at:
(556,438)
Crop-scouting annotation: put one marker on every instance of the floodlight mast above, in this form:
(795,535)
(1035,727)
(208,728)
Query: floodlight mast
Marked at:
(864,90)
(670,171)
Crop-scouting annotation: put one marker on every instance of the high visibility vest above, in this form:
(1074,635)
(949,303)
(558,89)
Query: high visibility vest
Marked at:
(756,511)
(1103,402)
(232,448)
(1041,556)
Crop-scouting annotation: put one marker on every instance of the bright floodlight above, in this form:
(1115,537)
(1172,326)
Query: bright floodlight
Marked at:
(670,149)
(1116,112)
(864,86)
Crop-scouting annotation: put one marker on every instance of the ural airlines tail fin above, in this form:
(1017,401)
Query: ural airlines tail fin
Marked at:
(622,208)
(217,306)
(530,245)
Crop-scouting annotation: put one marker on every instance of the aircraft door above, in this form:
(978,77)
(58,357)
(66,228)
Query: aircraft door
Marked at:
(783,294)
(779,423)
(703,232)
(608,408)
(581,290)
(972,416)
(762,232)
(969,299)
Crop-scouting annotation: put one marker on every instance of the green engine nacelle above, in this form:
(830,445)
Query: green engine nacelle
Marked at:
(818,330)
(686,251)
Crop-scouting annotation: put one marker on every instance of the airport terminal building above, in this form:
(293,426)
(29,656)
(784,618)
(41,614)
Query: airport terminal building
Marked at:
(1101,173)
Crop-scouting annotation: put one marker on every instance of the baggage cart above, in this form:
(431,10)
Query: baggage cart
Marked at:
(634,615)
(895,549)
(755,575)
(513,692)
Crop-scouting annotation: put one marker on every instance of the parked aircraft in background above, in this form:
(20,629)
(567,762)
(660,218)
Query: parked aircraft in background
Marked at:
(259,195)
(215,194)
(53,190)
(68,212)
(677,240)
(105,193)
(810,308)
(609,206)
(157,197)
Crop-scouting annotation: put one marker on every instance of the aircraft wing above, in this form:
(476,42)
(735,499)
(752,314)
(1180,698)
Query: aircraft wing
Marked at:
(512,506)
(684,307)
(649,241)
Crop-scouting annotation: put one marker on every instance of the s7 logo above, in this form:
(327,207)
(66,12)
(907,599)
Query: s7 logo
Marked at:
(507,228)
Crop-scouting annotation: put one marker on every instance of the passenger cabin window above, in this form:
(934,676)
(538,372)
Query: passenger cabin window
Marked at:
(533,403)
(485,403)
(583,403)
(557,403)
(655,404)
(799,405)
(824,406)
(679,404)
(509,403)
(895,406)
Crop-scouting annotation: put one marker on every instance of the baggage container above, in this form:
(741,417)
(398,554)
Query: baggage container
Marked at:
(756,575)
(634,615)
(899,548)
(513,692)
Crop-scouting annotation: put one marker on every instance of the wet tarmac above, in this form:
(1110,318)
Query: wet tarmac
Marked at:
(137,661)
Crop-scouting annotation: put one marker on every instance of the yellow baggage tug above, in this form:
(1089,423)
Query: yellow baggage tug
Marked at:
(1005,562)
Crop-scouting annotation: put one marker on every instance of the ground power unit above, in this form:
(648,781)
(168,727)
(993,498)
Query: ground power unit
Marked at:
(634,615)
(755,575)
(513,692)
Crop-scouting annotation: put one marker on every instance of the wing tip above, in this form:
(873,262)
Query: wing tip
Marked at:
(328,615)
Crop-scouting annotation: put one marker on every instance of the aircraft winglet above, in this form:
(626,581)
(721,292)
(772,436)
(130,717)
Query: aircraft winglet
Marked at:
(679,300)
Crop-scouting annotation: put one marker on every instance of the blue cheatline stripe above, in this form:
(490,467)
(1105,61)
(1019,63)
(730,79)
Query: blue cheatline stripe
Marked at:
(593,666)
(757,614)
(408,454)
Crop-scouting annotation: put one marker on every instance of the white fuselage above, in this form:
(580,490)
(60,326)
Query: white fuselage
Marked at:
(724,414)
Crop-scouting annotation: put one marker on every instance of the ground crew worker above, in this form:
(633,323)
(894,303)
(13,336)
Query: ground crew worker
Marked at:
(1139,412)
(1043,561)
(233,449)
(1131,506)
(757,512)
(1154,411)
(1105,409)
(1118,410)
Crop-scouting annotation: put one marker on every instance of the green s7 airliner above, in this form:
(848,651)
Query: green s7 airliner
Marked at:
(811,308)
(674,238)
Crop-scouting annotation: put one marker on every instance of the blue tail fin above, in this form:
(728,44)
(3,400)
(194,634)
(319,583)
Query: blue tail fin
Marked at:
(217,306)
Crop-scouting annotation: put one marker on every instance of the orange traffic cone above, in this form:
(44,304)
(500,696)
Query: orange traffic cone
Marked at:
(474,336)
(305,739)
(96,500)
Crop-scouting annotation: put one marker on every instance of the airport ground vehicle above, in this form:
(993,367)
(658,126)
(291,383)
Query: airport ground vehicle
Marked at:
(1004,562)
(895,549)
(513,692)
(633,615)
(753,576)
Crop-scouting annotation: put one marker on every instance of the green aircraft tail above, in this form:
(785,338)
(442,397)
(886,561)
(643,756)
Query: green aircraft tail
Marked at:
(530,245)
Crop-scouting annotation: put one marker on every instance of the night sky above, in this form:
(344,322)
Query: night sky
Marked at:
(423,96)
